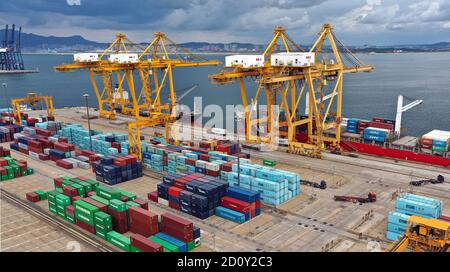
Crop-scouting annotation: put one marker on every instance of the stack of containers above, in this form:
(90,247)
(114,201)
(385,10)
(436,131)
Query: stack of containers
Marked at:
(116,169)
(407,205)
(436,140)
(376,134)
(239,205)
(352,125)
(194,194)
(109,218)
(7,132)
(275,186)
(11,168)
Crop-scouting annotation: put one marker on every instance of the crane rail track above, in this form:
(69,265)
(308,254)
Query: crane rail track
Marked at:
(73,232)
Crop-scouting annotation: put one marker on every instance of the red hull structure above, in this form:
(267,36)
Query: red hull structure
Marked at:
(395,153)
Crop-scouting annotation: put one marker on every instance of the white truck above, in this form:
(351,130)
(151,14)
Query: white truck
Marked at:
(85,57)
(244,61)
(294,59)
(124,58)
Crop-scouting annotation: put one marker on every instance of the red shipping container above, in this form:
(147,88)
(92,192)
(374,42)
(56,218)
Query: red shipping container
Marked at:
(170,220)
(143,221)
(44,157)
(32,196)
(3,171)
(153,196)
(64,164)
(117,215)
(85,226)
(174,191)
(70,210)
(143,203)
(204,157)
(62,147)
(190,161)
(102,207)
(87,153)
(185,236)
(144,244)
(58,181)
(70,191)
(212,173)
(91,193)
(235,204)
(3,162)
(382,125)
(258,204)
(174,205)
(377,119)
(121,226)
(120,162)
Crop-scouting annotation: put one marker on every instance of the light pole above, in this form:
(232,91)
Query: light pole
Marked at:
(86,96)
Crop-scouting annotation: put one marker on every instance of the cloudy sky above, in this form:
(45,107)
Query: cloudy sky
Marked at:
(356,22)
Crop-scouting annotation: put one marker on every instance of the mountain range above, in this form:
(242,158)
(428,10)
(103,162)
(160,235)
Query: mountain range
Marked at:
(38,43)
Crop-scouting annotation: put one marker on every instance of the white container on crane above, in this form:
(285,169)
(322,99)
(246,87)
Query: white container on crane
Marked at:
(294,59)
(85,57)
(244,61)
(124,58)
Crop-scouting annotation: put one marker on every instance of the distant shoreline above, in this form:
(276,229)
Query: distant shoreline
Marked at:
(253,53)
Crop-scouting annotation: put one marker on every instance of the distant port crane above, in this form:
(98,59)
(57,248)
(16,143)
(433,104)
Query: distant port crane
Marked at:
(287,71)
(10,51)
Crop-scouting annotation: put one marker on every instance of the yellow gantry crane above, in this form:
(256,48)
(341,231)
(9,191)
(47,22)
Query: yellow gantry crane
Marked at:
(157,61)
(279,75)
(32,99)
(154,65)
(424,235)
(107,70)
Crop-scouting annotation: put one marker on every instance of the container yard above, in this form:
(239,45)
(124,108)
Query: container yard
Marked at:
(310,221)
(117,176)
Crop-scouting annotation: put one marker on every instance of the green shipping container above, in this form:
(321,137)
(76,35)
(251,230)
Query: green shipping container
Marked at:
(62,214)
(85,207)
(5,177)
(24,173)
(67,182)
(42,194)
(131,204)
(52,209)
(93,183)
(51,195)
(102,218)
(119,240)
(87,186)
(77,180)
(129,195)
(70,219)
(101,234)
(117,205)
(108,193)
(84,217)
(190,245)
(103,228)
(62,200)
(80,189)
(59,189)
(269,163)
(135,249)
(100,199)
(30,171)
(170,247)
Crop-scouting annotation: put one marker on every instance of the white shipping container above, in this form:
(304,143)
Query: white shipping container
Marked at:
(124,58)
(200,163)
(244,61)
(295,59)
(85,57)
(212,166)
